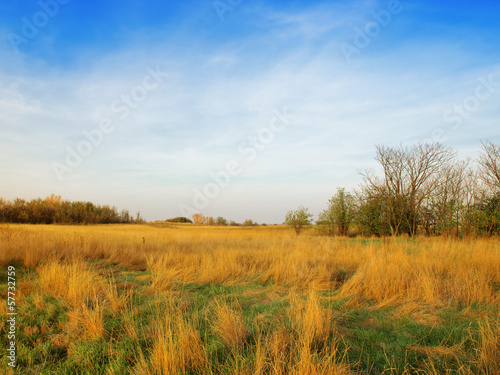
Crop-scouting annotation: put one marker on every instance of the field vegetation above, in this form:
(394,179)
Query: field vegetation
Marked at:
(176,298)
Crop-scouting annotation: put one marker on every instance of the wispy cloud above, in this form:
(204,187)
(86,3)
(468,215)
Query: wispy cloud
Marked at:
(222,88)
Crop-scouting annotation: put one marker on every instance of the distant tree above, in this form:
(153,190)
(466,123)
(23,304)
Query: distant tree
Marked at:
(53,200)
(325,225)
(489,165)
(199,219)
(220,221)
(210,220)
(340,213)
(125,216)
(298,218)
(179,219)
(447,200)
(428,218)
(475,194)
(248,223)
(485,215)
(138,218)
(233,223)
(53,210)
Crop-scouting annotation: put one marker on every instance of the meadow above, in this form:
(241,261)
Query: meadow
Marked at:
(186,299)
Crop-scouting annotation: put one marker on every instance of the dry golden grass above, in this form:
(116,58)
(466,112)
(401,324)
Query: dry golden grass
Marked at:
(38,301)
(141,367)
(117,302)
(312,322)
(229,324)
(85,322)
(74,282)
(130,324)
(429,270)
(489,352)
(435,271)
(177,347)
(437,351)
(407,274)
(314,333)
(278,348)
(308,347)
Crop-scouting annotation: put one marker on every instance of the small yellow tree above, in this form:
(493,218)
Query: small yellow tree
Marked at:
(199,219)
(53,200)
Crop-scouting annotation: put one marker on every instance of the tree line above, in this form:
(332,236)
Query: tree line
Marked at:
(423,189)
(219,220)
(53,210)
(201,219)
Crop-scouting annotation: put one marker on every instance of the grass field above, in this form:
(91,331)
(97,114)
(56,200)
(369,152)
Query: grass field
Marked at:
(185,299)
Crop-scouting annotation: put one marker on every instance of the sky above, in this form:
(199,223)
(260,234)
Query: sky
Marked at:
(235,108)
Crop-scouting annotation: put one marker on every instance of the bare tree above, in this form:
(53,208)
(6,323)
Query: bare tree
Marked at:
(410,176)
(475,192)
(449,198)
(489,165)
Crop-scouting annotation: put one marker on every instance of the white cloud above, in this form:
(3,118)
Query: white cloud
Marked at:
(215,98)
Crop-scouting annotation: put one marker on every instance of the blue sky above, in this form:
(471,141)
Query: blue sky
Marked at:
(172,92)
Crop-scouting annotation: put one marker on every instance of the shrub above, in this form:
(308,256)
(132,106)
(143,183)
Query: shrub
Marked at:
(179,219)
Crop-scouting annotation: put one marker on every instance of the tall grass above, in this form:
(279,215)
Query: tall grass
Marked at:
(431,271)
(428,270)
(86,322)
(74,282)
(177,347)
(229,324)
(307,346)
(489,348)
(399,272)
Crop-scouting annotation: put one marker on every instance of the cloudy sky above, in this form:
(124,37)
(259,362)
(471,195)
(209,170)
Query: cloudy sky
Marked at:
(242,109)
